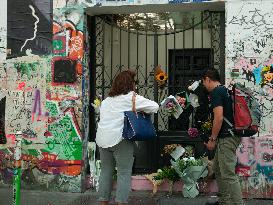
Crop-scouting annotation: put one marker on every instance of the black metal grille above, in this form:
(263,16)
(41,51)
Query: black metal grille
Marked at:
(183,53)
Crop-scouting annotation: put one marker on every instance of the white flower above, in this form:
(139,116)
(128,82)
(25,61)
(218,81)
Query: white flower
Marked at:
(192,158)
(185,159)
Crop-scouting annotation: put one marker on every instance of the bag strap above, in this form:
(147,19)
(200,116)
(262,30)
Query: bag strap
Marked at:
(230,124)
(134,102)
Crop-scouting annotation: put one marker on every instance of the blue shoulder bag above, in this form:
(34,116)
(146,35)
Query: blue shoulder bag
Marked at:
(138,126)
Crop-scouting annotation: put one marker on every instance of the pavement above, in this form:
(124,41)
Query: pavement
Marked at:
(35,197)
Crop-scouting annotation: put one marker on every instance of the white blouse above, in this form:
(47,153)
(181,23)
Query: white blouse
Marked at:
(110,126)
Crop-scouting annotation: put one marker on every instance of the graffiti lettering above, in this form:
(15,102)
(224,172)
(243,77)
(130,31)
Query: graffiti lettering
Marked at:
(257,20)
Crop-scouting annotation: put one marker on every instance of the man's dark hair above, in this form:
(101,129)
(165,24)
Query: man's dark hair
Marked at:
(123,83)
(212,74)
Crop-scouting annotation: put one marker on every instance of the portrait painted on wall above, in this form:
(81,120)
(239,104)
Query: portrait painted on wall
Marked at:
(29,27)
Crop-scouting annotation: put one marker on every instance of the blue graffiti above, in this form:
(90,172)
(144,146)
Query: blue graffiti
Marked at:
(266,171)
(257,74)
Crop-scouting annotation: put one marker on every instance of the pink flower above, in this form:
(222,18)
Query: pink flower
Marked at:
(181,102)
(169,105)
(193,132)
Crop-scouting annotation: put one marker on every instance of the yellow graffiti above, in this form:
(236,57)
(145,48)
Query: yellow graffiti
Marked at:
(268,77)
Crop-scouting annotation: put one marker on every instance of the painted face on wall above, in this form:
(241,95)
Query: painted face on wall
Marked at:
(268,77)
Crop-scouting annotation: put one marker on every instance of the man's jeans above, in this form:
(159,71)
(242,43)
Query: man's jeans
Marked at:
(224,167)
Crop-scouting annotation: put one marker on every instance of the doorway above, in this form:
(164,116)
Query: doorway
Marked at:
(183,43)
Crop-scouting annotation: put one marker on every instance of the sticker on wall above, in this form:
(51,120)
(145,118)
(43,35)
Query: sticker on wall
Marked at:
(36,33)
(64,71)
(59,45)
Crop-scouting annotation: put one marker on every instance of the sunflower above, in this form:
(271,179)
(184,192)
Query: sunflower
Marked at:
(160,76)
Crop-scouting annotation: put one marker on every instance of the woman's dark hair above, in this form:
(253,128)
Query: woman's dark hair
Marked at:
(123,83)
(212,74)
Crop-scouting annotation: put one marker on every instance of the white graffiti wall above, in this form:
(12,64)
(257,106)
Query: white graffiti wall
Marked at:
(249,37)
(249,60)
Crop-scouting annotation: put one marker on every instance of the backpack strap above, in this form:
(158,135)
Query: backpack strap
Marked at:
(230,124)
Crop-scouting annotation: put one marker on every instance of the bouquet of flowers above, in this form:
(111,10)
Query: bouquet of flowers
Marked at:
(168,173)
(172,106)
(183,166)
(205,130)
(190,170)
(169,148)
(193,132)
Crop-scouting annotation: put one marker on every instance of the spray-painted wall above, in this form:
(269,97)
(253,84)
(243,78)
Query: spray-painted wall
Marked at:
(249,59)
(44,79)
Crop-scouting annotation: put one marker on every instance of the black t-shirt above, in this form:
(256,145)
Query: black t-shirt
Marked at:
(221,97)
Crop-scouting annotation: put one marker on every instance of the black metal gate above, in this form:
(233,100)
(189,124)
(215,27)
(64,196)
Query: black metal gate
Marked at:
(183,44)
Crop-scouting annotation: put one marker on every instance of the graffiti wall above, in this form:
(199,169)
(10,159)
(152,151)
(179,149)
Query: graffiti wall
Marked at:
(42,64)
(44,84)
(249,59)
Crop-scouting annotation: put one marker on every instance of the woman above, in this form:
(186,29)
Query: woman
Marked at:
(113,149)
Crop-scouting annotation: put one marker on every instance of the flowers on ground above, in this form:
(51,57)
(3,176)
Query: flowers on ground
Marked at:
(167,173)
(190,170)
(168,149)
(187,162)
(184,166)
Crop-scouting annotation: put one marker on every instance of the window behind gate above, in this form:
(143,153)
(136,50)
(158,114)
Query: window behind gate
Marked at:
(186,65)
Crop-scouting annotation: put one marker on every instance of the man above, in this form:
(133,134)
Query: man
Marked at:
(223,141)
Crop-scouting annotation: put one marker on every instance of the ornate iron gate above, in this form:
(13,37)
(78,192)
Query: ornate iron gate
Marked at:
(184,49)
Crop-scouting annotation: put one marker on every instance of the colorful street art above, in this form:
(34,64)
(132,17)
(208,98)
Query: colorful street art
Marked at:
(43,92)
(249,32)
(35,36)
(45,80)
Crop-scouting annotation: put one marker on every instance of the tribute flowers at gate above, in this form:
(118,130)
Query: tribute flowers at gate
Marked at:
(185,167)
(172,106)
(190,170)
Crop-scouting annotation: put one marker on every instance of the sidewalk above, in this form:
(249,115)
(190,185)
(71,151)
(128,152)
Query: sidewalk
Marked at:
(33,197)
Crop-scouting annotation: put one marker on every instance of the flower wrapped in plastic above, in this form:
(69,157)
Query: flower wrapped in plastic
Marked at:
(190,170)
(171,105)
